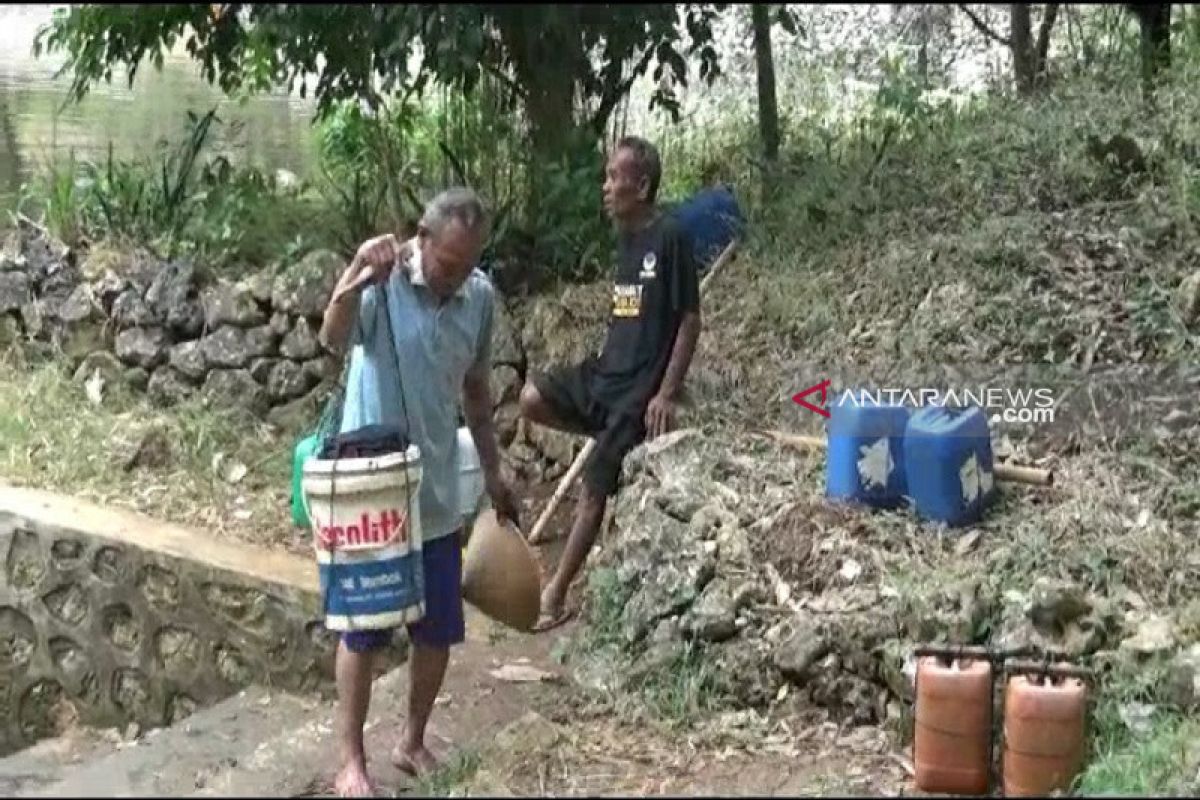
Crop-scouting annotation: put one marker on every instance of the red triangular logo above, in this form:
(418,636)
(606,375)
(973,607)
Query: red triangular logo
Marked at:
(821,387)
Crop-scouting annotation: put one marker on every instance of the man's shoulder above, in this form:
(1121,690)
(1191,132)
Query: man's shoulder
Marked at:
(480,289)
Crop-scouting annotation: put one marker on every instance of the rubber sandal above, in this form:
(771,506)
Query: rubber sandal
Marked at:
(548,622)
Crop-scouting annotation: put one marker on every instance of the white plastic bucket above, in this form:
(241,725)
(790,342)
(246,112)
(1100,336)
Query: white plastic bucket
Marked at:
(470,475)
(366,522)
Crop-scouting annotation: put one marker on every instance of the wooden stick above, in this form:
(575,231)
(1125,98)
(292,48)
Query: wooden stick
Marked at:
(535,535)
(1010,473)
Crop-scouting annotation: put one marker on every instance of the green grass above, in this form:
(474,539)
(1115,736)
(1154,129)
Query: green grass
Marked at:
(1162,762)
(685,691)
(453,774)
(52,437)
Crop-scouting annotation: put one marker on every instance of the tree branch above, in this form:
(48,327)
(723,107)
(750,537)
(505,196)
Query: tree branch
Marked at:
(1043,41)
(616,91)
(983,26)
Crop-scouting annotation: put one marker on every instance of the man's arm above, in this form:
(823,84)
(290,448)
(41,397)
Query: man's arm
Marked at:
(685,297)
(340,316)
(477,408)
(681,355)
(371,264)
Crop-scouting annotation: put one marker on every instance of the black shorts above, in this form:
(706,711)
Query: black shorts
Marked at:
(616,427)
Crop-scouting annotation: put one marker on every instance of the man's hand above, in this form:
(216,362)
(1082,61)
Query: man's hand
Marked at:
(504,500)
(373,263)
(660,415)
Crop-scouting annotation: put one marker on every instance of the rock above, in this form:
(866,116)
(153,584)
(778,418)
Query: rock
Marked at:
(898,668)
(187,319)
(233,347)
(324,368)
(173,287)
(15,291)
(106,363)
(11,257)
(260,369)
(187,358)
(43,255)
(1055,604)
(505,385)
(1183,681)
(287,381)
(108,288)
(744,672)
(33,317)
(166,388)
(506,420)
(234,388)
(1154,635)
(796,656)
(10,330)
(304,288)
(80,305)
(151,449)
(1187,298)
(506,343)
(102,259)
(301,414)
(714,617)
(137,378)
(300,344)
(227,304)
(280,323)
(681,570)
(530,735)
(557,446)
(142,347)
(129,310)
(259,285)
(60,281)
(82,338)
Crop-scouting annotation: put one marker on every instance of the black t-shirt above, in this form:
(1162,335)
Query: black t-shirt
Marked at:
(654,286)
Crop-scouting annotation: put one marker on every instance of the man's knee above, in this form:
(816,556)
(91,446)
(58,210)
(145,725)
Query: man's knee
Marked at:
(531,402)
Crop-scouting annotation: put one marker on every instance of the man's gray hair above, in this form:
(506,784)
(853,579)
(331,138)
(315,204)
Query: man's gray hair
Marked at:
(458,203)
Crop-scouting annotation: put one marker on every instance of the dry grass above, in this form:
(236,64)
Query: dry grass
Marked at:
(52,437)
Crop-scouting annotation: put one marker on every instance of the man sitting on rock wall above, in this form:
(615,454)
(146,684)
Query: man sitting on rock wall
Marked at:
(441,310)
(630,391)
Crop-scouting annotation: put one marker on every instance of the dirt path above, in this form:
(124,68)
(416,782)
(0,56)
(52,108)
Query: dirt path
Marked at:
(502,736)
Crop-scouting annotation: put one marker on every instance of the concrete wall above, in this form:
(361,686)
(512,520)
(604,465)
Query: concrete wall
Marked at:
(111,618)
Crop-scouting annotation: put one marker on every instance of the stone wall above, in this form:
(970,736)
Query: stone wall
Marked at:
(172,330)
(114,627)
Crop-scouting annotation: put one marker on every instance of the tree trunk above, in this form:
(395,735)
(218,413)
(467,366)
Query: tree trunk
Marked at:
(1155,22)
(544,62)
(768,106)
(1021,43)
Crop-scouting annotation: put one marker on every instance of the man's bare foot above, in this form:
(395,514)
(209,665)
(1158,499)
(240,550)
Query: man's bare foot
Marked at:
(553,612)
(418,763)
(352,781)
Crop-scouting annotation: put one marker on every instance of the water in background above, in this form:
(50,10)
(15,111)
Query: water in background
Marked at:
(270,131)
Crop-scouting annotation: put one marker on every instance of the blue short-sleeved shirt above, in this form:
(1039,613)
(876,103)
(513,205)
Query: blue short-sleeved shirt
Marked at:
(437,343)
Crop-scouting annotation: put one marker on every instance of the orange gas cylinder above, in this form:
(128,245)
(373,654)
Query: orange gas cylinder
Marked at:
(1043,733)
(952,739)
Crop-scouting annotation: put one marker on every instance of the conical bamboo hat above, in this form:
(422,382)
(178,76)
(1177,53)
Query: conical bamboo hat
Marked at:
(500,574)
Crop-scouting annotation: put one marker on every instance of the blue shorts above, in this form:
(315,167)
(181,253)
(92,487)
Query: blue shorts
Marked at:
(443,624)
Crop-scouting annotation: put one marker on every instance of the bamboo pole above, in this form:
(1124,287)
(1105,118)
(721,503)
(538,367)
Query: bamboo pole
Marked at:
(1009,473)
(564,485)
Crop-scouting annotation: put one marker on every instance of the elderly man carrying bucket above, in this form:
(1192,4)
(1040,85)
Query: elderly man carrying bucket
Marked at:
(440,309)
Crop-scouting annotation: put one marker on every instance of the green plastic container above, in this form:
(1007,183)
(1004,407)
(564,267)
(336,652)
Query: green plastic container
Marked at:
(306,448)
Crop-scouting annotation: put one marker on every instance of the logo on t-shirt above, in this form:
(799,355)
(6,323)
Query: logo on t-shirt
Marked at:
(649,262)
(627,300)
